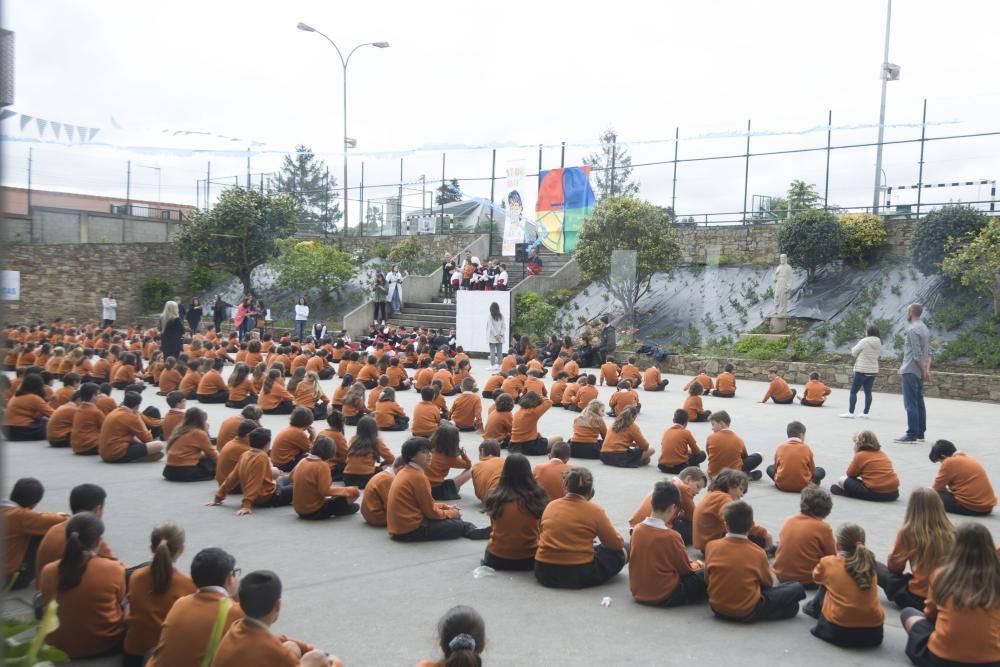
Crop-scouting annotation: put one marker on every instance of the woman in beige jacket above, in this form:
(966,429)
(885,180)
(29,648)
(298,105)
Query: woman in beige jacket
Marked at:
(866,353)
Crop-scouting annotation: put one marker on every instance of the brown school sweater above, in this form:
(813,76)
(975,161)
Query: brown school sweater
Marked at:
(60,425)
(726,383)
(536,385)
(794,466)
(447,380)
(147,610)
(968,636)
(211,383)
(240,392)
(227,430)
(397,375)
(229,457)
(621,441)
(365,465)
(525,422)
(709,524)
(289,442)
(253,475)
(694,407)
(386,413)
(106,404)
(684,511)
(513,386)
(585,395)
(588,434)
(20,524)
(966,478)
(652,378)
(312,484)
(486,475)
(499,425)
(426,417)
(275,397)
(188,627)
(190,448)
(736,571)
(410,502)
(815,391)
(26,409)
(170,379)
(677,446)
(373,501)
(120,428)
(568,528)
(704,380)
(87,422)
(657,561)
(901,554)
(550,477)
(609,374)
(441,465)
(778,389)
(467,411)
(875,471)
(622,399)
(725,450)
(171,420)
(249,643)
(845,604)
(189,383)
(803,541)
(493,382)
(514,533)
(91,619)
(557,391)
(569,396)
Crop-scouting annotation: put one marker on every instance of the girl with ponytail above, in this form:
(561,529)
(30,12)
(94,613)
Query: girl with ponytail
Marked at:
(89,589)
(153,589)
(846,607)
(462,635)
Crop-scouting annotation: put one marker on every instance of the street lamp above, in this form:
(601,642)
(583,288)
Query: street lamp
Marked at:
(344,61)
(890,72)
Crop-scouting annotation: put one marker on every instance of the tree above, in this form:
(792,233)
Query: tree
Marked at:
(448,192)
(624,223)
(801,196)
(374,219)
(239,233)
(612,167)
(811,239)
(305,178)
(930,239)
(975,261)
(307,264)
(864,234)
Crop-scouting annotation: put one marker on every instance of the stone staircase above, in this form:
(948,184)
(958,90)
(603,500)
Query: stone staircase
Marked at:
(438,315)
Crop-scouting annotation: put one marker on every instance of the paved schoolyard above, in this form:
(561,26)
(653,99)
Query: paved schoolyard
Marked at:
(355,593)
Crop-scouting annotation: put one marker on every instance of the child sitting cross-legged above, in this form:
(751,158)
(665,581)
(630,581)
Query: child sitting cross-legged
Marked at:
(693,405)
(313,494)
(794,468)
(448,454)
(625,446)
(678,448)
(367,454)
(589,431)
(870,475)
(515,506)
(805,538)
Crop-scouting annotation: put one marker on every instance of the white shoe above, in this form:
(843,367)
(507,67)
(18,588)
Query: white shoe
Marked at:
(847,415)
(863,416)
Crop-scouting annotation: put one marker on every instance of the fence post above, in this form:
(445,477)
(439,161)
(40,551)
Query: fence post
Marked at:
(441,223)
(829,132)
(920,176)
(399,202)
(614,153)
(673,190)
(562,156)
(208,188)
(361,202)
(746,176)
(493,183)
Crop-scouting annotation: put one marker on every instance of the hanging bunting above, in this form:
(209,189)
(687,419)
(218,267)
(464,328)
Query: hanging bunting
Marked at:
(114,123)
(25,119)
(41,123)
(82,132)
(93,133)
(6,113)
(56,127)
(69,131)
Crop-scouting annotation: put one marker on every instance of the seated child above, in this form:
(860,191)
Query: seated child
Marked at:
(550,474)
(727,450)
(725,383)
(461,637)
(610,372)
(805,538)
(467,409)
(231,452)
(625,446)
(124,437)
(27,413)
(448,454)
(261,483)
(486,471)
(696,411)
(741,585)
(585,394)
(191,456)
(962,481)
(175,415)
(514,504)
(87,422)
(622,398)
(589,431)
(778,390)
(211,387)
(59,428)
(524,437)
(354,406)
(689,484)
(678,448)
(652,380)
(377,493)
(426,415)
(500,422)
(631,372)
(870,475)
(24,529)
(846,606)
(709,524)
(389,415)
(398,378)
(659,570)
(493,384)
(294,441)
(313,494)
(703,379)
(566,556)
(793,468)
(815,392)
(367,454)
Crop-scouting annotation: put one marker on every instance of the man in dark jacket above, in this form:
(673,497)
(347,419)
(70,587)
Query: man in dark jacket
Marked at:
(608,340)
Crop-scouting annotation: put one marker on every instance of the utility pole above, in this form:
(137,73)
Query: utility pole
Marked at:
(248,168)
(128,189)
(614,153)
(208,188)
(889,73)
(29,180)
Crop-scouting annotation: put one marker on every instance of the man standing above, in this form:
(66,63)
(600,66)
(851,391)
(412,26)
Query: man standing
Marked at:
(913,373)
(608,341)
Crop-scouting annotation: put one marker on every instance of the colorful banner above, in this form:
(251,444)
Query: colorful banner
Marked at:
(565,199)
(515,224)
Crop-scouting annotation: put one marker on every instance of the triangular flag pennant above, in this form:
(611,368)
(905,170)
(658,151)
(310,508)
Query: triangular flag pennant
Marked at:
(69,131)
(115,123)
(42,124)
(25,119)
(56,127)
(82,133)
(93,133)
(6,113)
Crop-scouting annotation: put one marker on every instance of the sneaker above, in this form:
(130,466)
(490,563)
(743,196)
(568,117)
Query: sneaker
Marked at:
(864,415)
(756,475)
(905,439)
(847,415)
(836,490)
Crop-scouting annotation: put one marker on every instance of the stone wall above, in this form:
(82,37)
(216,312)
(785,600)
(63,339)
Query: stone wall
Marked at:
(958,386)
(58,225)
(68,280)
(434,245)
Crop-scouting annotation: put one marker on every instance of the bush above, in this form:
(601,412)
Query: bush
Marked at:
(203,278)
(930,238)
(761,349)
(559,297)
(864,234)
(408,250)
(155,292)
(533,316)
(380,250)
(979,345)
(811,239)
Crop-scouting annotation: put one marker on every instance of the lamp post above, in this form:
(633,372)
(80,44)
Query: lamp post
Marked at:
(344,62)
(890,72)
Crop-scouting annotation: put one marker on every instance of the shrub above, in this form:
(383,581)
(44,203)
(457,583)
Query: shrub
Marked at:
(532,315)
(980,345)
(380,249)
(559,297)
(864,234)
(930,238)
(155,292)
(761,349)
(405,251)
(811,239)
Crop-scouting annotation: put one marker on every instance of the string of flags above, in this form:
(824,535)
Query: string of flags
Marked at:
(61,131)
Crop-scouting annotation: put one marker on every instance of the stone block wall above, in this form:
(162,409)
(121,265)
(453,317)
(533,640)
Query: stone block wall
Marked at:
(68,280)
(434,245)
(958,386)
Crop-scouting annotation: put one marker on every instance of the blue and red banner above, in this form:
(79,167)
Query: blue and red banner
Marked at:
(565,199)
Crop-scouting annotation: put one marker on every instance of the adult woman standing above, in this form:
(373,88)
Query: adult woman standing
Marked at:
(220,310)
(447,268)
(242,317)
(301,317)
(171,331)
(866,353)
(194,313)
(263,315)
(109,310)
(496,330)
(380,290)
(395,280)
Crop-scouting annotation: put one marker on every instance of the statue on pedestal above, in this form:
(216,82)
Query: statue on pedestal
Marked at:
(782,285)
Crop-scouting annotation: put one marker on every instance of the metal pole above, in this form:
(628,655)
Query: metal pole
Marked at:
(441,228)
(326,205)
(399,202)
(128,189)
(493,182)
(208,188)
(614,153)
(361,202)
(920,175)
(746,177)
(345,153)
(262,182)
(881,116)
(673,192)
(29,178)
(562,156)
(829,135)
(539,158)
(423,194)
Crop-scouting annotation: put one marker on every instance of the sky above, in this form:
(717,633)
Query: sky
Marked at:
(513,75)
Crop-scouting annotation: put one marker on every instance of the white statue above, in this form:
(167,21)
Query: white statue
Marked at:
(782,284)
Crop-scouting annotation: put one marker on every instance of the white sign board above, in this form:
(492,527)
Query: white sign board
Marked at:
(10,285)
(472,310)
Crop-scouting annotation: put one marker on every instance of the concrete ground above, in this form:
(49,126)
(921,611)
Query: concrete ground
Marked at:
(352,591)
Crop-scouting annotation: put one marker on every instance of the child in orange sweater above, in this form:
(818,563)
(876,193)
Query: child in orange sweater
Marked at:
(777,389)
(524,438)
(805,538)
(625,446)
(448,454)
(696,411)
(793,468)
(815,392)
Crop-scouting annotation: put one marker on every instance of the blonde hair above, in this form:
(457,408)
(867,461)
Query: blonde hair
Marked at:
(926,531)
(58,352)
(170,312)
(355,394)
(313,378)
(866,441)
(592,415)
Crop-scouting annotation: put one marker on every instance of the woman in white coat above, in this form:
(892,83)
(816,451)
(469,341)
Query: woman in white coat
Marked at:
(109,310)
(496,331)
(866,354)
(395,280)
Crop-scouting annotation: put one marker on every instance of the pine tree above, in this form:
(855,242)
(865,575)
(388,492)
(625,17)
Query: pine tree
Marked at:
(448,192)
(611,168)
(304,177)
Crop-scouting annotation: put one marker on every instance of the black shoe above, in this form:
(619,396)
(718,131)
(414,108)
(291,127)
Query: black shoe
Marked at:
(478,533)
(809,610)
(836,490)
(756,475)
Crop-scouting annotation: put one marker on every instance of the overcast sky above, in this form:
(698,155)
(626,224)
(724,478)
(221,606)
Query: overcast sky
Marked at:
(514,73)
